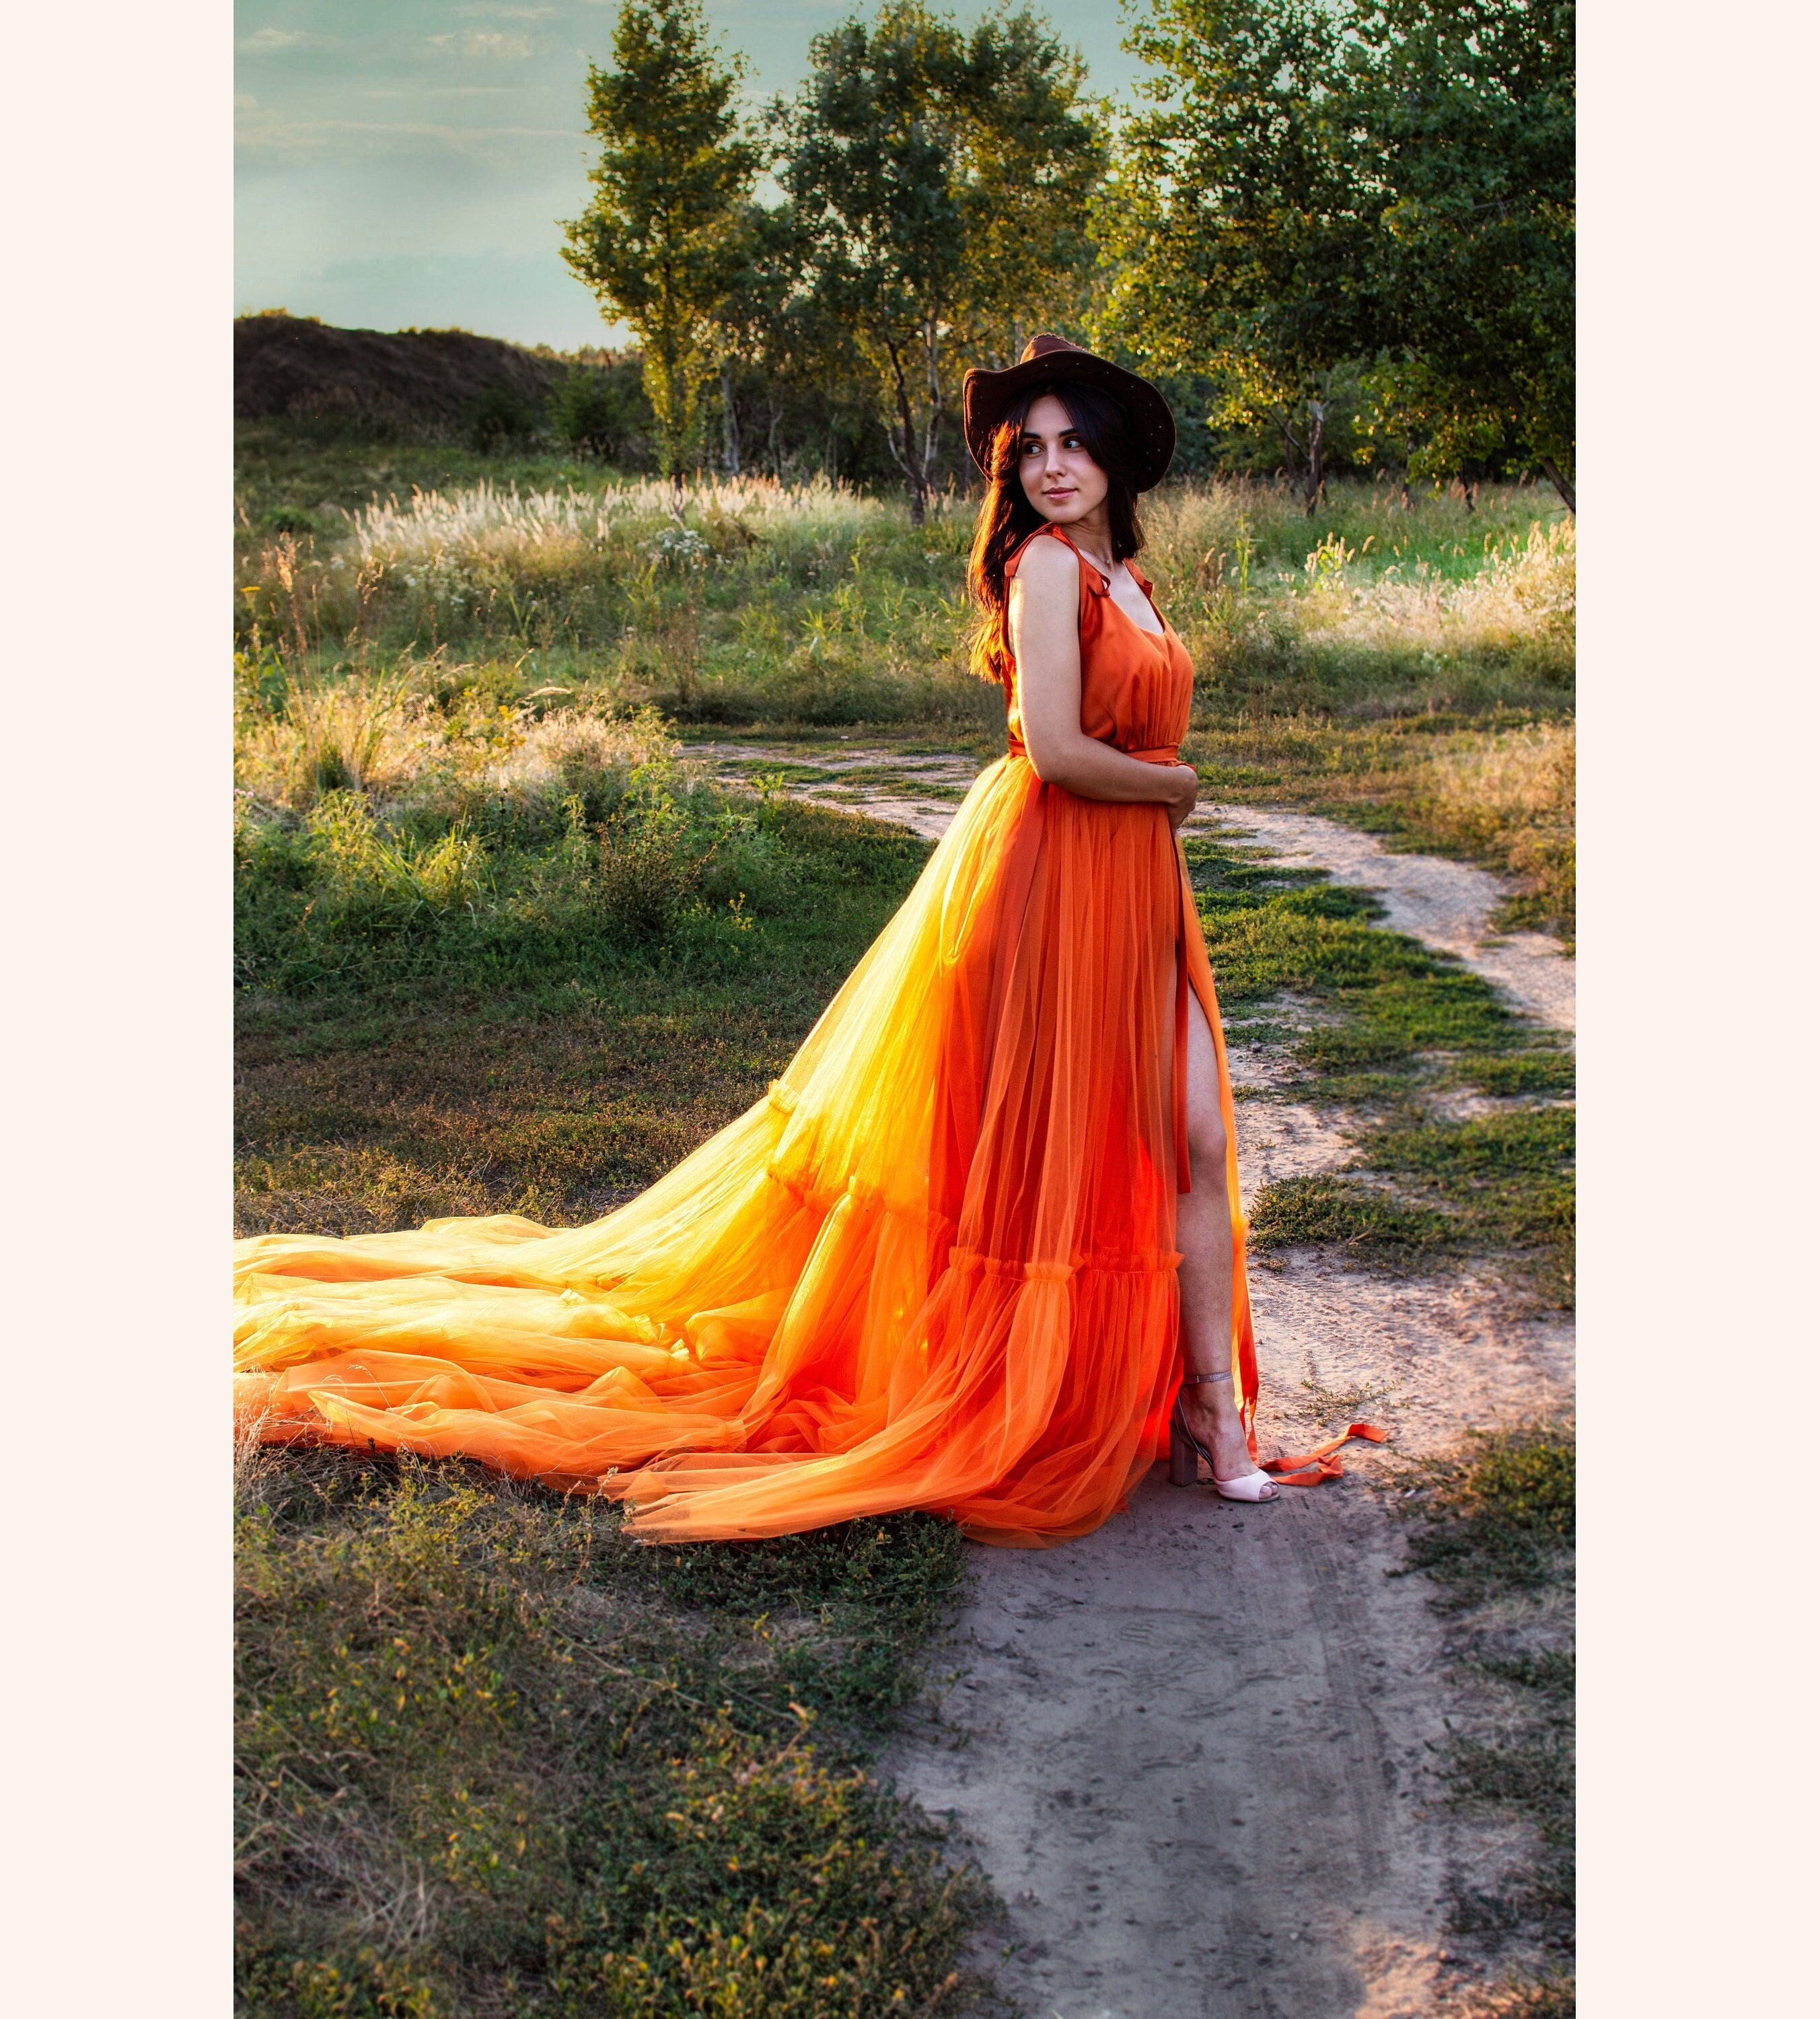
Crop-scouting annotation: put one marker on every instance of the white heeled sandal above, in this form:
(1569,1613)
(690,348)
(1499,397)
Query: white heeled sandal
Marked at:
(1186,1451)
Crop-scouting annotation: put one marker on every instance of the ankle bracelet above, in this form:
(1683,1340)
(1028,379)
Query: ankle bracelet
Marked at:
(1194,1380)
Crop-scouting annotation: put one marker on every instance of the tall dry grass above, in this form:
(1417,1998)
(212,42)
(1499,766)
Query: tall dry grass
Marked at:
(1510,797)
(1372,614)
(389,740)
(412,658)
(750,601)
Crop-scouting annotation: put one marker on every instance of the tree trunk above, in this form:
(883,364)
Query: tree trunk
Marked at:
(932,430)
(903,444)
(1560,483)
(1317,469)
(729,420)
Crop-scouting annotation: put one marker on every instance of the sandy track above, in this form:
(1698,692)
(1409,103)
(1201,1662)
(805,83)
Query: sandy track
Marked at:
(1193,1750)
(1189,1750)
(886,786)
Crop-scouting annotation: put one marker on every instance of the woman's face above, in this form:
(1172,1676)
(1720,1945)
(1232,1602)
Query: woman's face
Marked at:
(1061,480)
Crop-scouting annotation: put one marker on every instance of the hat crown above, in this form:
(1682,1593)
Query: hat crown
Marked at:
(1046,345)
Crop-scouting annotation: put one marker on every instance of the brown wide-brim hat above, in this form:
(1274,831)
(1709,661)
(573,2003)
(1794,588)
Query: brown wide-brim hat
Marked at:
(1053,360)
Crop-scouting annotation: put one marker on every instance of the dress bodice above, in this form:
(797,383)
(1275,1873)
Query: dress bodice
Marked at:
(1136,687)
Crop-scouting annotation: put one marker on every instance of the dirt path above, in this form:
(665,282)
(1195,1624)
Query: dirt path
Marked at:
(1193,1750)
(1447,905)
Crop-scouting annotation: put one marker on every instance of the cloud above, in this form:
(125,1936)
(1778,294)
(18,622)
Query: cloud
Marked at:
(268,136)
(268,39)
(480,42)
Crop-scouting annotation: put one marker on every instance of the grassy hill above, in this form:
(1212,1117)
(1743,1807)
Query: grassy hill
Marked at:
(409,383)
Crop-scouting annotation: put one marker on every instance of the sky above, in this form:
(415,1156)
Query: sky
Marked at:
(407,164)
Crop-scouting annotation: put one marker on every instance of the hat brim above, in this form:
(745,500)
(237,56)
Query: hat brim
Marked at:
(986,395)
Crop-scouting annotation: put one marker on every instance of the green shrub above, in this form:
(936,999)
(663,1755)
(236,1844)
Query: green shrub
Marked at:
(361,871)
(602,412)
(647,876)
(499,417)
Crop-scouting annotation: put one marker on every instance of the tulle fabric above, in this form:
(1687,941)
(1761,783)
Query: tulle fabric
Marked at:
(932,1268)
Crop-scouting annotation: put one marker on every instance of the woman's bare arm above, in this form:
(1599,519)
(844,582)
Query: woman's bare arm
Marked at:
(1045,630)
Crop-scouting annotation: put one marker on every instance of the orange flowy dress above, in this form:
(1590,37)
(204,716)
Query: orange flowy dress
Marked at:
(934,1267)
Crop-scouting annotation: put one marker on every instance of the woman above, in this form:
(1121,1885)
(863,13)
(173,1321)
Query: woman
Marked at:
(956,1259)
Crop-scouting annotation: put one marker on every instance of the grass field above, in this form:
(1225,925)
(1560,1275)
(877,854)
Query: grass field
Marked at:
(1412,669)
(498,949)
(493,1759)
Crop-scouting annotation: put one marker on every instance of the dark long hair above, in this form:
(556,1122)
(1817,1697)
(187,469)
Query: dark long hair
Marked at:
(1008,518)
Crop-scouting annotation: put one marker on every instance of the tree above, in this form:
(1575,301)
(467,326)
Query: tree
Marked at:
(1382,182)
(661,244)
(870,171)
(1032,163)
(938,185)
(1469,108)
(1238,223)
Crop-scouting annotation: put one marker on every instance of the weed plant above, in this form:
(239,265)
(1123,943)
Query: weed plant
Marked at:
(1495,1532)
(493,1758)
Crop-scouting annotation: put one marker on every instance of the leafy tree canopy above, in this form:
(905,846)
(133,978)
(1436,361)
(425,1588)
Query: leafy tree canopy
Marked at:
(939,182)
(1316,182)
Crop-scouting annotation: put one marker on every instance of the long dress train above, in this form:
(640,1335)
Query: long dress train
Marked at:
(934,1267)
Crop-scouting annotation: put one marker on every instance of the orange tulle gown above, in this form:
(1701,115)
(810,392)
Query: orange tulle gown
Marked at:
(934,1267)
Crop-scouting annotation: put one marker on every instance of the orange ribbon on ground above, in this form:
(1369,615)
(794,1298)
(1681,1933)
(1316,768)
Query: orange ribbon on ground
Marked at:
(1321,1462)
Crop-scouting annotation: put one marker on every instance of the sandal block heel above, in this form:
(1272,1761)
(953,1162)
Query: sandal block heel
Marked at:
(1184,1456)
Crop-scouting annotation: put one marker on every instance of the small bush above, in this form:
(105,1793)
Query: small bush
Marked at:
(648,875)
(602,412)
(361,870)
(288,519)
(312,736)
(499,417)
(749,864)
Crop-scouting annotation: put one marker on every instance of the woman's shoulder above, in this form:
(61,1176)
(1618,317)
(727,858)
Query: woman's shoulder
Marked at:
(1045,563)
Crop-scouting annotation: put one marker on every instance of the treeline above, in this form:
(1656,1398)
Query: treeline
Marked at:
(1340,231)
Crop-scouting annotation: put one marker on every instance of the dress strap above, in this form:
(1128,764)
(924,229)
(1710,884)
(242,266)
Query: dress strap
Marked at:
(1092,581)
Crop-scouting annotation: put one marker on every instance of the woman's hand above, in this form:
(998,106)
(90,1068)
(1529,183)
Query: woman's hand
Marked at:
(1186,785)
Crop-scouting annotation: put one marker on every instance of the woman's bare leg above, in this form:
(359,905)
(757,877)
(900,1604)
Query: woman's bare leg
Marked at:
(1203,1224)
